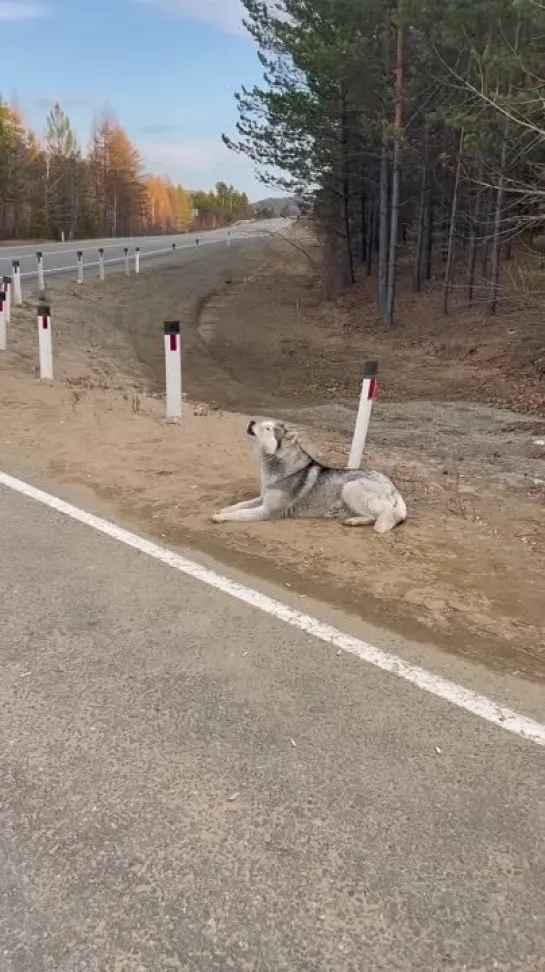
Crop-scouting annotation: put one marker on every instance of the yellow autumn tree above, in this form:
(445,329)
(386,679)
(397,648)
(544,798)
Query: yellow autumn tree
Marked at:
(21,175)
(51,187)
(116,184)
(168,207)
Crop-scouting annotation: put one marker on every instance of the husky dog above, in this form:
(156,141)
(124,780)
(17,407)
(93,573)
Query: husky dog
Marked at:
(295,484)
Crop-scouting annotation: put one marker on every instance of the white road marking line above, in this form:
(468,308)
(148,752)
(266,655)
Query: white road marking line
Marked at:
(478,705)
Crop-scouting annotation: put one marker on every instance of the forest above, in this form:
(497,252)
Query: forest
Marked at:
(412,130)
(51,189)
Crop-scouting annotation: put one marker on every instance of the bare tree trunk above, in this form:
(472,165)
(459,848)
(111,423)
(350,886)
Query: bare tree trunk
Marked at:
(452,227)
(419,259)
(370,237)
(496,241)
(363,227)
(396,171)
(485,236)
(384,183)
(445,222)
(47,188)
(474,230)
(345,197)
(500,193)
(427,244)
(383,228)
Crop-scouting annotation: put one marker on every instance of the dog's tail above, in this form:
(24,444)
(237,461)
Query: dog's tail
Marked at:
(389,518)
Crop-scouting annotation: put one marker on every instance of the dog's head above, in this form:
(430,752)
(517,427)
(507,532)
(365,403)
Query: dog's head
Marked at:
(272,437)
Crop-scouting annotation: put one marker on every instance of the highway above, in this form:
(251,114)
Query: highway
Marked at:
(190,783)
(62,257)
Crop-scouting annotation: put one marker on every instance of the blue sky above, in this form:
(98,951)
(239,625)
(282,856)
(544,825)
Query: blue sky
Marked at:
(168,69)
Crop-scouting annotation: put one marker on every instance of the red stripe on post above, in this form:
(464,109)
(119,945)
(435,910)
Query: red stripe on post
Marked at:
(173,342)
(372,389)
(45,323)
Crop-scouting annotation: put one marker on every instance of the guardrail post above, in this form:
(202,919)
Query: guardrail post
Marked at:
(173,370)
(368,392)
(16,282)
(45,348)
(6,287)
(2,321)
(40,265)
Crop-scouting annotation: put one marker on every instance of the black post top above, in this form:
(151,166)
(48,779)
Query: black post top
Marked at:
(172,327)
(370,369)
(44,310)
(39,254)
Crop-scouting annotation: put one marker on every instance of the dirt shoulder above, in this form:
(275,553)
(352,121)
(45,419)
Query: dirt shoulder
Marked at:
(467,570)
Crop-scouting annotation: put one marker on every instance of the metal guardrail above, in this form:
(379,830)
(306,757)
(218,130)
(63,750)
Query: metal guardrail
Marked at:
(55,271)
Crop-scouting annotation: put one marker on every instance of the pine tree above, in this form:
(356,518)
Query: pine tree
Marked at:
(63,175)
(402,121)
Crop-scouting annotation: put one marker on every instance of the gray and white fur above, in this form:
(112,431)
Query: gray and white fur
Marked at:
(293,484)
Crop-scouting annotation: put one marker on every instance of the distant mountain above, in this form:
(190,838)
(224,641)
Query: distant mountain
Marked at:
(278,206)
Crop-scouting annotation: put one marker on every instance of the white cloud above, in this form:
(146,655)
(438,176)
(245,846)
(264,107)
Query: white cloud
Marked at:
(194,158)
(13,10)
(226,15)
(200,164)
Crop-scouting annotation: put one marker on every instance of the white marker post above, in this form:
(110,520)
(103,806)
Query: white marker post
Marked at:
(101,264)
(368,392)
(2,321)
(45,348)
(6,286)
(173,371)
(80,266)
(40,264)
(137,260)
(228,237)
(127,268)
(174,248)
(16,283)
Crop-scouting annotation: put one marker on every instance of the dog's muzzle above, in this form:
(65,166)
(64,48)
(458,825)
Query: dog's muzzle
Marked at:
(251,427)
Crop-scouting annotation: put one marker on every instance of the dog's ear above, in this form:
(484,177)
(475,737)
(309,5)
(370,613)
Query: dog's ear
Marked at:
(291,436)
(279,431)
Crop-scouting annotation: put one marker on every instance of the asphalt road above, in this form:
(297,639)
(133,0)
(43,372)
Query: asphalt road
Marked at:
(62,257)
(189,784)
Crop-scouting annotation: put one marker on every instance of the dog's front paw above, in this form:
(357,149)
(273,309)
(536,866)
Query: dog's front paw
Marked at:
(217,518)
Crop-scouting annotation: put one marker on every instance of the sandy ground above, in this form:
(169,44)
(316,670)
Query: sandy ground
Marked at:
(466,570)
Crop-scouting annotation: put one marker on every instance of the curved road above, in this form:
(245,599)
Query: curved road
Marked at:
(62,257)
